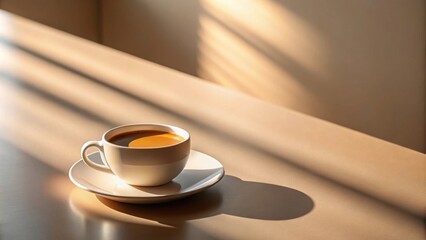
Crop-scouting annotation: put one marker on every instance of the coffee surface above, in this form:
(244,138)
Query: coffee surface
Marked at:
(146,138)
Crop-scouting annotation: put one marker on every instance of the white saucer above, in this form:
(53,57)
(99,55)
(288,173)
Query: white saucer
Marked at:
(201,172)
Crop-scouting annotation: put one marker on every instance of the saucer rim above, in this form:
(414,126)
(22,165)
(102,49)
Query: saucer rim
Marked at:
(149,198)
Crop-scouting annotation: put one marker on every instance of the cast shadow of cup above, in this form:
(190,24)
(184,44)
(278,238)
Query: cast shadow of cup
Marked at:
(231,196)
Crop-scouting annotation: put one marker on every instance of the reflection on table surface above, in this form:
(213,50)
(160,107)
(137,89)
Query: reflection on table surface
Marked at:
(287,174)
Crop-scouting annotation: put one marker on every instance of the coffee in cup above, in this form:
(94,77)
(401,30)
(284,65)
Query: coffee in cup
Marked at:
(142,154)
(146,138)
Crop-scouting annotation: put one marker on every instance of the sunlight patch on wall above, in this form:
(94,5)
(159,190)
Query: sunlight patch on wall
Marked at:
(262,49)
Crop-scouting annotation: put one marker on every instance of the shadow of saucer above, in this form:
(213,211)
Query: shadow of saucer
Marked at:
(231,196)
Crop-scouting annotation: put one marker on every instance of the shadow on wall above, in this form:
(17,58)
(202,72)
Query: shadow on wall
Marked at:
(78,17)
(164,32)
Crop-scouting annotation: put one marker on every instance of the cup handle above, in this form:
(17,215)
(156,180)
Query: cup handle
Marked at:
(90,163)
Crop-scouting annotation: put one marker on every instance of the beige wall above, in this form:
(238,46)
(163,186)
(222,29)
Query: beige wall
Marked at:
(360,64)
(164,32)
(78,17)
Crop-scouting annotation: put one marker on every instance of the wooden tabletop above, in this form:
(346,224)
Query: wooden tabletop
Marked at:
(288,175)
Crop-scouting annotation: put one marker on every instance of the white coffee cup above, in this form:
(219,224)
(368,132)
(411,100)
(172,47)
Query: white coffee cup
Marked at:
(141,166)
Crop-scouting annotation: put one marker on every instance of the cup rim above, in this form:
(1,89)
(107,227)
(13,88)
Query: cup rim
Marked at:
(186,138)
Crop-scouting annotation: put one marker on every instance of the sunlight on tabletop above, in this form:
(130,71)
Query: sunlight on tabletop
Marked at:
(44,126)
